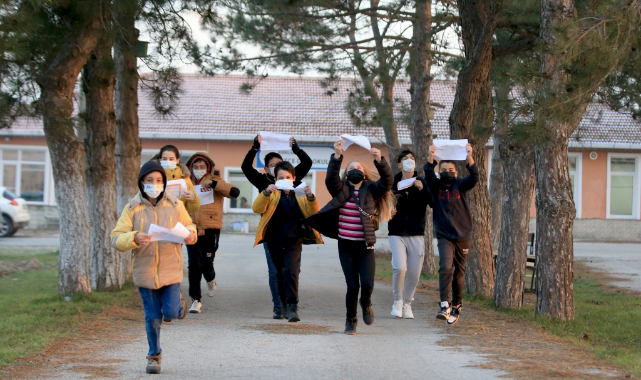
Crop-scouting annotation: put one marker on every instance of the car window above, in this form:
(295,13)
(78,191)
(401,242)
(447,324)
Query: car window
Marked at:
(9,195)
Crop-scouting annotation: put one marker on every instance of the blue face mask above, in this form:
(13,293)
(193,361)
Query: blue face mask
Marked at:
(153,191)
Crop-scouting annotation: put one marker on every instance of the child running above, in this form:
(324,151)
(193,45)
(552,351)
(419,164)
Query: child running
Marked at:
(280,228)
(158,265)
(209,221)
(406,230)
(361,199)
(260,182)
(169,158)
(452,228)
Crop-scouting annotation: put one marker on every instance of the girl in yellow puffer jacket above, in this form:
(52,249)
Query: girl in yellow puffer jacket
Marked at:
(169,158)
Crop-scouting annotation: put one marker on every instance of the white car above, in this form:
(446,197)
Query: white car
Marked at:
(14,213)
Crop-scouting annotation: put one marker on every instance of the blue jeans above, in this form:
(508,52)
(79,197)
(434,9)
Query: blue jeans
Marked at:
(159,303)
(273,279)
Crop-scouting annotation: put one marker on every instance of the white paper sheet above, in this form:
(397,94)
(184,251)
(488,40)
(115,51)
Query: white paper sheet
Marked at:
(362,141)
(177,187)
(455,150)
(206,196)
(175,235)
(274,141)
(404,184)
(284,185)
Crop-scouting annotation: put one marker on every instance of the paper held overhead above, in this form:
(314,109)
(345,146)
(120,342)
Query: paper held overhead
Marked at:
(404,184)
(284,185)
(362,141)
(178,234)
(274,141)
(206,195)
(455,150)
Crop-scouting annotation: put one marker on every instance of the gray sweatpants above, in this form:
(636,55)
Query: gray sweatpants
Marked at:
(408,253)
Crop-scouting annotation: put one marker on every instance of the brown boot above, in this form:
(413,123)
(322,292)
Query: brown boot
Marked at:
(184,303)
(153,363)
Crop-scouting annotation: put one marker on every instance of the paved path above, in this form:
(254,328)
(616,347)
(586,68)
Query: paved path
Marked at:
(620,260)
(229,340)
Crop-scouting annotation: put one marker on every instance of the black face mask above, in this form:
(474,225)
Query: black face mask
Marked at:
(355,176)
(448,177)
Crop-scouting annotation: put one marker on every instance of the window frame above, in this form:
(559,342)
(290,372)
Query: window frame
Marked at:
(636,185)
(226,204)
(48,196)
(578,181)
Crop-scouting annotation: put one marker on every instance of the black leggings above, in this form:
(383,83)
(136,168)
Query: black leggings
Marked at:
(201,261)
(359,266)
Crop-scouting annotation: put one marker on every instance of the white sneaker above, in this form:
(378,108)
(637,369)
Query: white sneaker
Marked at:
(211,288)
(397,309)
(407,311)
(195,307)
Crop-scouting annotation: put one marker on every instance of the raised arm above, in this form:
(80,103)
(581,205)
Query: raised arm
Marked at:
(385,183)
(333,178)
(471,180)
(305,161)
(253,175)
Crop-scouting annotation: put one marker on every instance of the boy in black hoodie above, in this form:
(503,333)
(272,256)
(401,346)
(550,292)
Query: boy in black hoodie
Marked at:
(452,228)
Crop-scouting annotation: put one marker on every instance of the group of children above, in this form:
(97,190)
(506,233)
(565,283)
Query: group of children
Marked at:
(361,199)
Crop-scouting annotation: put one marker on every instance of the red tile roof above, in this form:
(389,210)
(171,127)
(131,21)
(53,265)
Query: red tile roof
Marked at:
(300,106)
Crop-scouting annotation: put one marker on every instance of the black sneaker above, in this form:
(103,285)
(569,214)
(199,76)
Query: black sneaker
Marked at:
(278,313)
(292,313)
(445,311)
(350,326)
(368,314)
(454,315)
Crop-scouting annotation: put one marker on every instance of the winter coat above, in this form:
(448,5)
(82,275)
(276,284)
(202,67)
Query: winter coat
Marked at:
(182,172)
(160,263)
(411,204)
(326,220)
(262,180)
(266,205)
(210,216)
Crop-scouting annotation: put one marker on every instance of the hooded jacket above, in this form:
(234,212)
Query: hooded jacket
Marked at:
(210,216)
(326,220)
(182,172)
(411,204)
(160,263)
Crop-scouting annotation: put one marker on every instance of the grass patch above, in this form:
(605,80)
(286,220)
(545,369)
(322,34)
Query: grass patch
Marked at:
(606,324)
(47,257)
(32,312)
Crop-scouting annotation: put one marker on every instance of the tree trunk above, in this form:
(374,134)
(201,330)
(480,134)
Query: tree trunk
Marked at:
(478,21)
(128,146)
(554,202)
(99,80)
(421,128)
(57,84)
(518,162)
(496,191)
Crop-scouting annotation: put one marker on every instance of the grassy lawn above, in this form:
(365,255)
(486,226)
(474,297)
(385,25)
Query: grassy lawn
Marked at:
(33,314)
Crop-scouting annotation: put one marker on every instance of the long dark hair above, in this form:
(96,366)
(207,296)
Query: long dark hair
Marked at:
(170,148)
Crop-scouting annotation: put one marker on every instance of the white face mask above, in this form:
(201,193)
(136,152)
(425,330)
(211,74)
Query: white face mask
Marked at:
(168,164)
(409,165)
(199,173)
(153,191)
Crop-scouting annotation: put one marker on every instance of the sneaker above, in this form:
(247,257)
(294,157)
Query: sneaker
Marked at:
(397,309)
(407,311)
(211,288)
(454,315)
(445,311)
(368,314)
(153,363)
(195,307)
(184,303)
(292,313)
(278,313)
(350,326)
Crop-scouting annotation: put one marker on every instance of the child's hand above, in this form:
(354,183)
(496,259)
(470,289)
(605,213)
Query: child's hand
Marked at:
(206,184)
(432,152)
(190,195)
(376,154)
(418,184)
(191,239)
(271,189)
(393,211)
(142,238)
(308,192)
(338,148)
(470,159)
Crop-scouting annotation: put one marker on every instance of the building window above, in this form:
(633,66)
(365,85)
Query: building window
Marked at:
(575,161)
(24,172)
(248,193)
(623,186)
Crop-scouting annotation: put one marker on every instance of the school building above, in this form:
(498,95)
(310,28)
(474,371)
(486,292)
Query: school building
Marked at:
(215,116)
